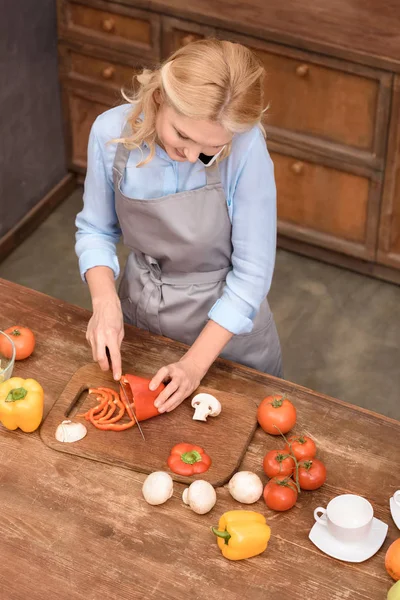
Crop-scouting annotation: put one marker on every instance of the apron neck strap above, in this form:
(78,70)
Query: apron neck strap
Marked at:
(212,174)
(121,157)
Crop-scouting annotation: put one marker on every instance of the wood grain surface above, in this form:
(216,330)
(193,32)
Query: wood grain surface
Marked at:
(365,31)
(238,420)
(73,528)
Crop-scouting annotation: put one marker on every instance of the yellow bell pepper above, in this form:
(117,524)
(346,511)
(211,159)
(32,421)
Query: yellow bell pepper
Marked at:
(242,534)
(21,404)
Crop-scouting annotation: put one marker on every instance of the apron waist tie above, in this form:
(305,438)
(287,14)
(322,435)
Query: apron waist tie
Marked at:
(151,295)
(159,278)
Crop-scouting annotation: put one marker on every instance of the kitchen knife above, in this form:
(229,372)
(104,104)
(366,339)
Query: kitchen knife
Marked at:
(130,408)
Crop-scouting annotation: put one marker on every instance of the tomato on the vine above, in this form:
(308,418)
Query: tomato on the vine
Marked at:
(312,474)
(280,493)
(24,342)
(277,462)
(301,446)
(276,414)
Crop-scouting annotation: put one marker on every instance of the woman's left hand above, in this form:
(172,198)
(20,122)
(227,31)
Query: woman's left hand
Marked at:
(183,378)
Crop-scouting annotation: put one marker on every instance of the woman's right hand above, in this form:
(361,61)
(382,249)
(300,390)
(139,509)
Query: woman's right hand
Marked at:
(106,326)
(106,330)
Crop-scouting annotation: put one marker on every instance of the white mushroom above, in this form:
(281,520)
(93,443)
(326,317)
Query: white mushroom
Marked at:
(205,405)
(200,496)
(157,488)
(68,431)
(246,487)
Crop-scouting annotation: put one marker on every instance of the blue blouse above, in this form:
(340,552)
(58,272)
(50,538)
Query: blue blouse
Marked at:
(247,176)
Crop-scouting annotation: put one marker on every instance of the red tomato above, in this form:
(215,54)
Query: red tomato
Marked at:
(277,462)
(301,446)
(24,342)
(280,493)
(312,474)
(276,415)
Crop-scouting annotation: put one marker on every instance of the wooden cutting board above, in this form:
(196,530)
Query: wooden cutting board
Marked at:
(225,438)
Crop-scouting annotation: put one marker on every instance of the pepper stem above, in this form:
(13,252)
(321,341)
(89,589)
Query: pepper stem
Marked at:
(222,534)
(16,394)
(191,457)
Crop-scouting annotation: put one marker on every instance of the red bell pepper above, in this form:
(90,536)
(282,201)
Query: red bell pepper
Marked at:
(137,389)
(188,459)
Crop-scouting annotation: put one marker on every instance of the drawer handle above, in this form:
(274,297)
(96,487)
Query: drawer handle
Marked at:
(108,25)
(297,168)
(302,70)
(108,73)
(188,39)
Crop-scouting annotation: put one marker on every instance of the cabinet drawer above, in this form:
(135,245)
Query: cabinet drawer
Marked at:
(327,206)
(330,100)
(320,101)
(177,33)
(83,108)
(96,70)
(110,25)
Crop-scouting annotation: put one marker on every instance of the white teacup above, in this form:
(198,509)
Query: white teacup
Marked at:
(348,517)
(396,499)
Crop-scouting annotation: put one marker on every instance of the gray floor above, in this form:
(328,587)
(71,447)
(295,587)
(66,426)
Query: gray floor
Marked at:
(340,332)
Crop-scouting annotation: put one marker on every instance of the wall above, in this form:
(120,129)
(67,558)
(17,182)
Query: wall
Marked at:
(32,159)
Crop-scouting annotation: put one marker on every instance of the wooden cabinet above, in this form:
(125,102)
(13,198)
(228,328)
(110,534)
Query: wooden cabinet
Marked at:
(177,33)
(329,109)
(389,234)
(111,25)
(102,45)
(327,205)
(335,105)
(83,108)
(83,66)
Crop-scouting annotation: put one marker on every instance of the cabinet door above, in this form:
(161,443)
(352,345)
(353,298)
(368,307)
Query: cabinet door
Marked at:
(326,204)
(389,233)
(82,107)
(177,33)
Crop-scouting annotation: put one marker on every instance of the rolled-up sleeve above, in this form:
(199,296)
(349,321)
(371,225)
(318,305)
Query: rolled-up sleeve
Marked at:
(98,230)
(253,215)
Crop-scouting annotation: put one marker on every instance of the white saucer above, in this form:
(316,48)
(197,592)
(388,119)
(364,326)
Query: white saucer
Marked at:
(395,510)
(350,552)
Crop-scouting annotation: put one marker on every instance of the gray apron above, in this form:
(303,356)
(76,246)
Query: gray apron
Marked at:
(180,256)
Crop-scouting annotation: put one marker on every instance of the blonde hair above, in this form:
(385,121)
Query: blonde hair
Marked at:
(210,80)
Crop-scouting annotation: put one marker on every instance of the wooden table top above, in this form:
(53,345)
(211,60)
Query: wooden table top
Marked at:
(72,528)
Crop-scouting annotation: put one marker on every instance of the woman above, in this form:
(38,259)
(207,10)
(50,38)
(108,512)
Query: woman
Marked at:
(188,179)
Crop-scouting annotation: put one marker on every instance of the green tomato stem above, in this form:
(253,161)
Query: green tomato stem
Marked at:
(294,458)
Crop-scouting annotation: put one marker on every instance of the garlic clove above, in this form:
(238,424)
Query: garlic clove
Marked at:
(70,432)
(185,496)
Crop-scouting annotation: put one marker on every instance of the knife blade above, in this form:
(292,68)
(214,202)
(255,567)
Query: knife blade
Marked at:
(130,409)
